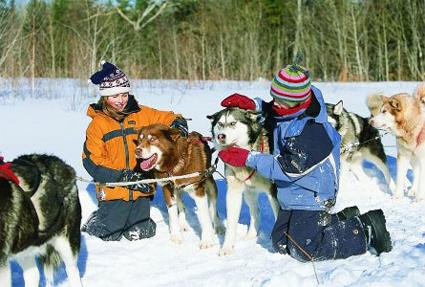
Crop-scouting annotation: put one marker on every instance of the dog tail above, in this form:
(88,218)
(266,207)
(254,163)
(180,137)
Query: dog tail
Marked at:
(420,93)
(51,261)
(374,103)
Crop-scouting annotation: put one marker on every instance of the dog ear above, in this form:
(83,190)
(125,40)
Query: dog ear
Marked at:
(174,134)
(374,102)
(253,115)
(395,104)
(338,108)
(420,93)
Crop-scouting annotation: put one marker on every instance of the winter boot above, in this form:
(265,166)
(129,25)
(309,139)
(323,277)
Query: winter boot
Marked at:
(348,212)
(377,235)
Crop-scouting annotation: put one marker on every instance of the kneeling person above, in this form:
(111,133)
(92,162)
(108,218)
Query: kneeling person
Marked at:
(109,156)
(304,165)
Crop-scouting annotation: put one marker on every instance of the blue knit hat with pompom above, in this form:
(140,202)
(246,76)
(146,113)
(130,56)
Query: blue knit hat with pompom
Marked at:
(111,80)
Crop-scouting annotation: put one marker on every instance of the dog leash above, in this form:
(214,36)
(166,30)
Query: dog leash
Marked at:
(150,180)
(349,147)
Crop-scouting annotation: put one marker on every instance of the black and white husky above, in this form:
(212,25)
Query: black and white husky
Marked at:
(359,142)
(232,126)
(40,217)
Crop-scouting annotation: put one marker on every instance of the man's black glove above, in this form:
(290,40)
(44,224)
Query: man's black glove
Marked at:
(181,124)
(129,175)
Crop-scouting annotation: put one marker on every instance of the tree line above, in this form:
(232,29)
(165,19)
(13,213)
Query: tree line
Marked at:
(341,40)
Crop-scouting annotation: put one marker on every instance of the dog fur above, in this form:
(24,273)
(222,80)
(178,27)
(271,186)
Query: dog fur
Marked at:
(40,217)
(403,116)
(167,153)
(245,129)
(359,142)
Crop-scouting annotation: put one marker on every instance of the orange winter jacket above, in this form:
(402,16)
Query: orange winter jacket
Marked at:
(109,147)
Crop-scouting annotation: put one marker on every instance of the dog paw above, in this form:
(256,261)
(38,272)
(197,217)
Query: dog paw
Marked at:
(176,238)
(412,192)
(206,244)
(226,251)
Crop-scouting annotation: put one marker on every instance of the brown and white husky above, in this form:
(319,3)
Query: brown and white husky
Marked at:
(403,115)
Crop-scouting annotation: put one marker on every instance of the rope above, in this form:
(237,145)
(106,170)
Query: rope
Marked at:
(151,180)
(306,254)
(349,147)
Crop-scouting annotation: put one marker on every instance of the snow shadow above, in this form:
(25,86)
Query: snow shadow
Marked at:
(266,213)
(59,275)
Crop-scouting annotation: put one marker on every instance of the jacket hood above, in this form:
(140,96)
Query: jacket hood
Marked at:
(322,116)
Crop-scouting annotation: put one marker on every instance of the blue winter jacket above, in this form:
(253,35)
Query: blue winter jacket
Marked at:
(305,161)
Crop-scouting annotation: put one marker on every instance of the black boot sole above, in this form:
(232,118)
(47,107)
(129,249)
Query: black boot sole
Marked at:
(381,239)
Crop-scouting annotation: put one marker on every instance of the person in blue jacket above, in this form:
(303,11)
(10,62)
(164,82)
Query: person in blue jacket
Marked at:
(304,166)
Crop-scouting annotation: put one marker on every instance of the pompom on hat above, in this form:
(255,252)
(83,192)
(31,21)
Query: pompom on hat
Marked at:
(111,80)
(291,84)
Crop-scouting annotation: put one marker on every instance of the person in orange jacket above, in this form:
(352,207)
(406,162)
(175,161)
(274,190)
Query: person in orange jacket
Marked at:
(109,156)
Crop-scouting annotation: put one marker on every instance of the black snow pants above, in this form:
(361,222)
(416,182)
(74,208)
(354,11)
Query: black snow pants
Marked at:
(317,235)
(117,218)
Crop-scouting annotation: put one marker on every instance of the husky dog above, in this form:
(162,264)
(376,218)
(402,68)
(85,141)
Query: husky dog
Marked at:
(403,115)
(164,151)
(359,141)
(39,217)
(233,126)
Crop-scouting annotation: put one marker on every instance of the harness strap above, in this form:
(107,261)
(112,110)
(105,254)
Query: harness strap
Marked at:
(7,173)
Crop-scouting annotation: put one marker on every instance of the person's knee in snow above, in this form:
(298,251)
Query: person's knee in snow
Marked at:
(109,153)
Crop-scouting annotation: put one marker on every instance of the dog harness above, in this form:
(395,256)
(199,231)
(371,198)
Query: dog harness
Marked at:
(6,172)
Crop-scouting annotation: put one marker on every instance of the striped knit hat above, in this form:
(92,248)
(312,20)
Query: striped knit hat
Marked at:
(291,84)
(111,80)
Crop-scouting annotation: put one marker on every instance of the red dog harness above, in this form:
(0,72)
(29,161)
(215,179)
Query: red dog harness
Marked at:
(6,172)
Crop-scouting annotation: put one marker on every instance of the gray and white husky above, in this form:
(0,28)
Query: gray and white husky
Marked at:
(39,217)
(236,127)
(359,142)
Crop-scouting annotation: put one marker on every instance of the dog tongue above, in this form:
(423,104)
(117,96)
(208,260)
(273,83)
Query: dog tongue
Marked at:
(147,163)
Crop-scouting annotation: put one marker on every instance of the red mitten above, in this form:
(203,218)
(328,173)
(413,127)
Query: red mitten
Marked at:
(234,156)
(239,101)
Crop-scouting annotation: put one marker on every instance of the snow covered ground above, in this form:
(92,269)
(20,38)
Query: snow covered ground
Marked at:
(53,121)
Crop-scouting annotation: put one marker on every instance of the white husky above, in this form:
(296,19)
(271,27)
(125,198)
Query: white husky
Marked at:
(232,126)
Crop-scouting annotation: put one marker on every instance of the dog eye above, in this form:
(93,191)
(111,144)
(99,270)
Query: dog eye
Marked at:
(232,124)
(141,136)
(220,125)
(152,139)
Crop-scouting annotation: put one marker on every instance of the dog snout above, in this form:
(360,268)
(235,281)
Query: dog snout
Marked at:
(221,138)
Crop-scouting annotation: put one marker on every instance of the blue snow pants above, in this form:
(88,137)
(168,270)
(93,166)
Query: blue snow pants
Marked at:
(117,218)
(317,235)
